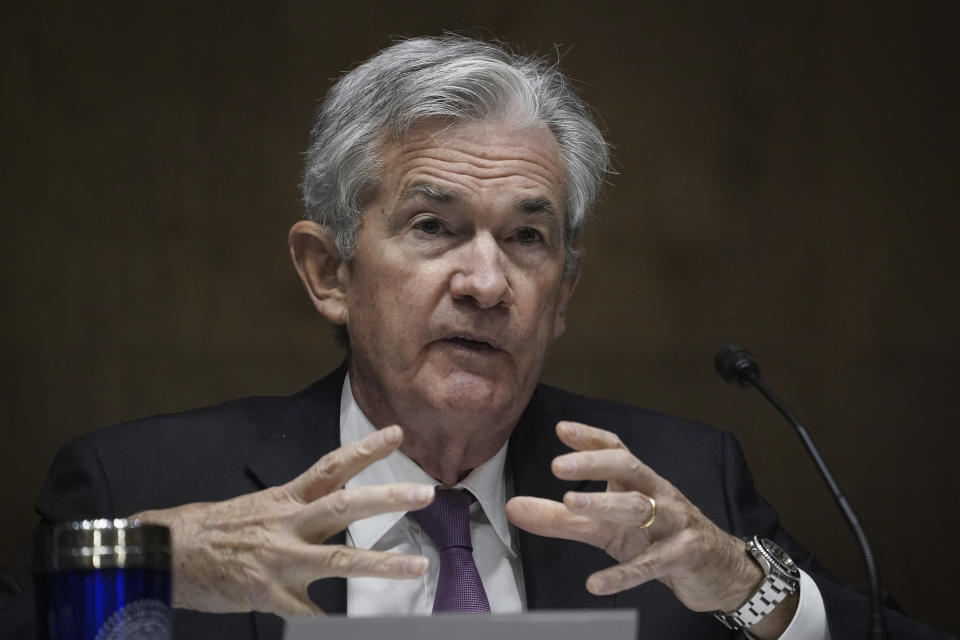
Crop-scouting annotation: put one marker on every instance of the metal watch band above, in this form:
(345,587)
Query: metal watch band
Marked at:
(775,587)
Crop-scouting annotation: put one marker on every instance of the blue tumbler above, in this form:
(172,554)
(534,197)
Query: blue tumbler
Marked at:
(103,580)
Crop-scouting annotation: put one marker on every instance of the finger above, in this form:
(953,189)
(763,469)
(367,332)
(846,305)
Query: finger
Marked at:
(583,437)
(630,508)
(336,511)
(553,520)
(657,560)
(329,561)
(612,465)
(334,469)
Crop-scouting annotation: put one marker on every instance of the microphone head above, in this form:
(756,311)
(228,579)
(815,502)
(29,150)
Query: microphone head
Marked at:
(735,364)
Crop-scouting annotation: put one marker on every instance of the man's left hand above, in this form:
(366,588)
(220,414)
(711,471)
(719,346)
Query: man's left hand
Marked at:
(706,568)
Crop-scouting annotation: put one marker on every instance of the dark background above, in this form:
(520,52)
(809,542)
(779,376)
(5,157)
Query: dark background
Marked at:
(786,180)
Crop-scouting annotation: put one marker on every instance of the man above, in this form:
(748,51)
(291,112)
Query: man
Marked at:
(446,183)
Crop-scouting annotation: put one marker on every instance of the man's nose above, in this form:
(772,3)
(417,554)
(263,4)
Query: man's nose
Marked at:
(481,275)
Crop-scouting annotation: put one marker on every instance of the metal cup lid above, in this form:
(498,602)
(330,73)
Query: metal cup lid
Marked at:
(102,544)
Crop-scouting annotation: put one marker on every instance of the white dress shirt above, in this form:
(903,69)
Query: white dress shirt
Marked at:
(493,537)
(493,548)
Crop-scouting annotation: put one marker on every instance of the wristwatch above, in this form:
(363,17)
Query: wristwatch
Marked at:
(781,578)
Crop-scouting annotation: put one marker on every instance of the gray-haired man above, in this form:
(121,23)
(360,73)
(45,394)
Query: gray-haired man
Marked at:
(447,182)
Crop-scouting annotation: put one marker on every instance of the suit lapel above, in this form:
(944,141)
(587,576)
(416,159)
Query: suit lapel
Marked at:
(554,570)
(308,430)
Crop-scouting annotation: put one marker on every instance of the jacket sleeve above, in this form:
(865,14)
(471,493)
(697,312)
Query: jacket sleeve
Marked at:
(847,608)
(75,488)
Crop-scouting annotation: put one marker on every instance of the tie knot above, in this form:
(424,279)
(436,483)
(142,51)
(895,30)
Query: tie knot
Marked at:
(447,519)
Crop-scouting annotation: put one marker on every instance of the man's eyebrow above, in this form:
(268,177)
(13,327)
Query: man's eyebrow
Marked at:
(429,191)
(537,205)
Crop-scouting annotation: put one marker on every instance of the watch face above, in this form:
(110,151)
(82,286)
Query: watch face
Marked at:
(779,556)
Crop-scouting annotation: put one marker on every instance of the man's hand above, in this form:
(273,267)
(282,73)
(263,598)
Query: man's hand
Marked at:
(707,568)
(260,551)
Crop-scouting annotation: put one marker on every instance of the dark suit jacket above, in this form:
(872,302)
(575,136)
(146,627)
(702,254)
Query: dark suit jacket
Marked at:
(245,445)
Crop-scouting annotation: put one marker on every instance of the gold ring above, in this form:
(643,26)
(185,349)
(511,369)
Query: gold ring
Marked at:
(653,513)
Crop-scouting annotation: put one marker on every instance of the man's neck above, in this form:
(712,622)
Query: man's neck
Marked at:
(445,446)
(447,459)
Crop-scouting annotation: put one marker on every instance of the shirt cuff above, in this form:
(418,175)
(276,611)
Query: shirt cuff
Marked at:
(810,620)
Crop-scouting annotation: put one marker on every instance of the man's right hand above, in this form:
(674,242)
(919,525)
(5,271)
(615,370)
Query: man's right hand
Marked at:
(260,551)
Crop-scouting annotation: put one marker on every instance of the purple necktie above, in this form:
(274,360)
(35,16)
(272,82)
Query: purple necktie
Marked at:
(447,521)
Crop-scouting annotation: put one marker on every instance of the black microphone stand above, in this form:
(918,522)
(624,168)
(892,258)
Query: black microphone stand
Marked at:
(736,365)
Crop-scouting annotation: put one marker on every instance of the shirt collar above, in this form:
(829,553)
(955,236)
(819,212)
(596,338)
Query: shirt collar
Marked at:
(486,482)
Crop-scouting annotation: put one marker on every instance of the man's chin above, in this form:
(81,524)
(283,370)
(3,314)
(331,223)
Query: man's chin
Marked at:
(468,392)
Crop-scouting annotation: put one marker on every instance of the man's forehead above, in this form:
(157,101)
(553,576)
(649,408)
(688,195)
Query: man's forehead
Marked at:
(492,151)
(445,195)
(488,138)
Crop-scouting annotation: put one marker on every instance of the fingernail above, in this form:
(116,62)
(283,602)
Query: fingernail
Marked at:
(578,499)
(389,435)
(598,585)
(571,429)
(564,465)
(416,565)
(420,493)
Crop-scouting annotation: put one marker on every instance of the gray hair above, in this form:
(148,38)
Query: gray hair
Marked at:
(453,79)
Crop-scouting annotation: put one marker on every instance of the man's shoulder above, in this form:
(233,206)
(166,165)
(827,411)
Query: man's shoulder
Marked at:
(197,455)
(622,418)
(251,418)
(234,418)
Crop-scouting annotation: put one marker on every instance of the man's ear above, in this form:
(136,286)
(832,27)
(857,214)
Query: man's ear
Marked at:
(318,263)
(567,286)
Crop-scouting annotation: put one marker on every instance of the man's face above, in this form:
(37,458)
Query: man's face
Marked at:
(456,289)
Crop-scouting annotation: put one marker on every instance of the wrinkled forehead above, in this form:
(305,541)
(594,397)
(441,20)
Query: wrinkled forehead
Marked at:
(482,149)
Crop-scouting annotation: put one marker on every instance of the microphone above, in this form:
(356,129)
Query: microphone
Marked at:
(738,366)
(735,365)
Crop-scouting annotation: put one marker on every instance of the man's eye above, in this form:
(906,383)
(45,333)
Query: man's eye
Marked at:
(528,236)
(430,226)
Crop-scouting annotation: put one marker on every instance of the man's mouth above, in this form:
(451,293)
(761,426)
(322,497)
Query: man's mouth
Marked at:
(473,343)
